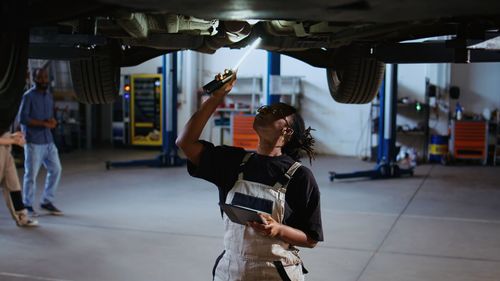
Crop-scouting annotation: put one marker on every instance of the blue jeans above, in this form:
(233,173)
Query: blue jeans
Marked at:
(36,155)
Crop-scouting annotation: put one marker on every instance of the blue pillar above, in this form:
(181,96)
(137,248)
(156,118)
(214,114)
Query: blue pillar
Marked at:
(173,105)
(390,100)
(169,124)
(394,104)
(381,122)
(164,126)
(273,68)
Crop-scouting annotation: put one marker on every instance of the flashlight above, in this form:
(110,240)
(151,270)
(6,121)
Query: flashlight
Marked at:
(216,84)
(228,73)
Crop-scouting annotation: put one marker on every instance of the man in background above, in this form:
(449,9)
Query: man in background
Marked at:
(37,120)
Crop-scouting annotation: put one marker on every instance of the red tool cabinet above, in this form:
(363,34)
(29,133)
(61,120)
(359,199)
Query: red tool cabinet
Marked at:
(469,140)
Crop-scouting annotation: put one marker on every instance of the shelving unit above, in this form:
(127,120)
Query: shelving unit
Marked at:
(247,88)
(243,101)
(406,134)
(245,98)
(288,87)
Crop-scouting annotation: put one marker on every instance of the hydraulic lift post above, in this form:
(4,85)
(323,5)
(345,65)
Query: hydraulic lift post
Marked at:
(387,166)
(273,69)
(169,155)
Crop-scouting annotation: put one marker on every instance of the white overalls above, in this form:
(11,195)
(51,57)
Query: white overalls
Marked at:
(249,256)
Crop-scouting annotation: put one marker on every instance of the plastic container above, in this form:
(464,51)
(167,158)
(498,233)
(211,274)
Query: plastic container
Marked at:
(458,111)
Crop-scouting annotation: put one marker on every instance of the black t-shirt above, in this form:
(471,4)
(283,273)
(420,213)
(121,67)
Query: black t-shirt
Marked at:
(221,166)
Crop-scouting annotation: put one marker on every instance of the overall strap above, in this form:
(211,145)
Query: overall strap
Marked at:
(242,164)
(281,187)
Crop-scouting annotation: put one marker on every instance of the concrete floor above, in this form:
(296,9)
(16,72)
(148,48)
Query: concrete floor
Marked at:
(160,224)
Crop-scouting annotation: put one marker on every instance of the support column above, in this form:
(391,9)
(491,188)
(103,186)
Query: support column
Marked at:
(390,112)
(273,68)
(169,124)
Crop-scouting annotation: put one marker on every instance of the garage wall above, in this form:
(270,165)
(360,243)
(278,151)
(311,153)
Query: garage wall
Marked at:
(439,75)
(340,129)
(187,99)
(254,66)
(479,86)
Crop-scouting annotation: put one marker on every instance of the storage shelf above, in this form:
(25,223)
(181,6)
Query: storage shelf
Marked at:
(409,112)
(411,132)
(233,110)
(245,93)
(244,99)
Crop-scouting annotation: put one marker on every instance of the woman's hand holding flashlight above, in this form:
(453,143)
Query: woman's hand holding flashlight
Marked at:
(226,87)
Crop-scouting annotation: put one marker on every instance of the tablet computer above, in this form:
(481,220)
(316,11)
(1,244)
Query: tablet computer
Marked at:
(241,215)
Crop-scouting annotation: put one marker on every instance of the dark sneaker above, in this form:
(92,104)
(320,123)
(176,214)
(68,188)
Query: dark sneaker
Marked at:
(31,212)
(51,209)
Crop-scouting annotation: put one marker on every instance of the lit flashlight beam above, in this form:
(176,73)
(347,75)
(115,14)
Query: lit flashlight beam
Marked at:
(254,45)
(228,74)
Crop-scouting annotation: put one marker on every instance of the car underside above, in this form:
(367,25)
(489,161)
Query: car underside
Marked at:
(351,39)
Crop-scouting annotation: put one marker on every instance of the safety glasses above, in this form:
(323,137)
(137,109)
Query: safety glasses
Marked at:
(277,112)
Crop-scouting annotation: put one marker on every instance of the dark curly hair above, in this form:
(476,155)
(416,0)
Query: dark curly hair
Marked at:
(301,142)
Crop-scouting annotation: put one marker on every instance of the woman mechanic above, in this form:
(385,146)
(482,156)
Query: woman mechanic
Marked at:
(271,180)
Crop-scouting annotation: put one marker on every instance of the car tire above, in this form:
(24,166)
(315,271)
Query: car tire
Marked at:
(357,79)
(13,70)
(96,80)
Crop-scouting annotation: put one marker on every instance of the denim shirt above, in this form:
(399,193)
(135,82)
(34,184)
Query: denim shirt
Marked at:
(40,106)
